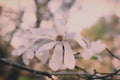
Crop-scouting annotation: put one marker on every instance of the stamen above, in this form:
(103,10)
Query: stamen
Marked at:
(59,38)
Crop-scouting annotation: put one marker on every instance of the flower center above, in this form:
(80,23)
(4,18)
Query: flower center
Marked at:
(59,38)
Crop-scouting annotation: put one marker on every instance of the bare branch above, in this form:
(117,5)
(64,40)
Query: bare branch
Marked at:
(79,74)
(5,61)
(112,54)
(87,76)
(37,14)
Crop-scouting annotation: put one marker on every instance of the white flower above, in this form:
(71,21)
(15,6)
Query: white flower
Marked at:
(59,41)
(93,49)
(23,46)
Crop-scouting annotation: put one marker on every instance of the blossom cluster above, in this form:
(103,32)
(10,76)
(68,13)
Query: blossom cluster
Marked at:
(54,37)
(36,42)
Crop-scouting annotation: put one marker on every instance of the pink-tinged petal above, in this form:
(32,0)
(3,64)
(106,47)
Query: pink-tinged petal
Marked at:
(60,29)
(87,41)
(30,54)
(38,45)
(15,53)
(101,48)
(38,37)
(95,48)
(87,53)
(18,51)
(44,57)
(69,59)
(57,58)
(25,59)
(17,41)
(39,55)
(69,36)
(78,38)
(60,23)
(47,46)
(41,31)
(98,46)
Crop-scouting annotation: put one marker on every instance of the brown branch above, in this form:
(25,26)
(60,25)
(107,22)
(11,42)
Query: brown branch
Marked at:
(79,74)
(5,61)
(37,14)
(112,54)
(83,75)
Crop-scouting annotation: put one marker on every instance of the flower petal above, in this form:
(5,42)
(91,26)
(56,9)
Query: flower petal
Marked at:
(39,55)
(29,54)
(41,31)
(44,57)
(87,53)
(69,59)
(57,58)
(60,29)
(38,37)
(60,24)
(69,35)
(38,45)
(47,46)
(99,48)
(77,38)
(80,40)
(17,52)
(17,41)
(25,59)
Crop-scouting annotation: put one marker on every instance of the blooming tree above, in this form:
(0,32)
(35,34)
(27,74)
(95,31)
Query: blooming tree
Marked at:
(50,35)
(59,41)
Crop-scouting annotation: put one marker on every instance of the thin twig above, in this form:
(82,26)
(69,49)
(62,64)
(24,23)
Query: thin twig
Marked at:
(62,73)
(112,54)
(5,61)
(37,14)
(87,76)
(77,67)
(109,75)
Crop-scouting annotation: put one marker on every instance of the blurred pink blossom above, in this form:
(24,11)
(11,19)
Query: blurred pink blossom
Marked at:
(93,49)
(23,45)
(59,38)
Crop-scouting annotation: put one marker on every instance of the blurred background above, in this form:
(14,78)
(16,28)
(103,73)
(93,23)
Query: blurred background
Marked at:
(96,19)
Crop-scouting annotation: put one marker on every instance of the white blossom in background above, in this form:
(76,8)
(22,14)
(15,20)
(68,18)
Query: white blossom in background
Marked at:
(23,45)
(54,6)
(7,26)
(10,16)
(47,23)
(93,49)
(29,16)
(59,38)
